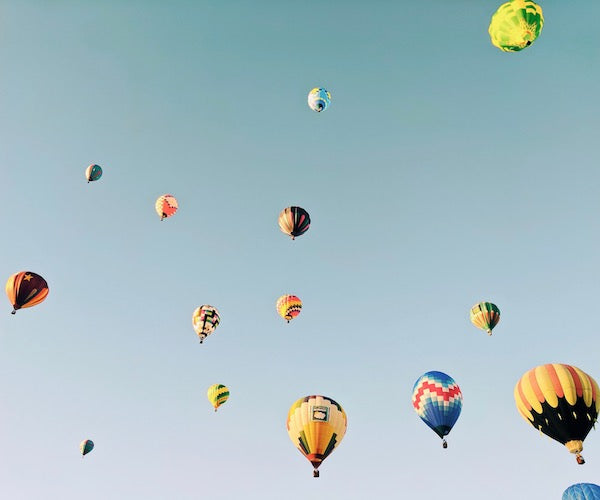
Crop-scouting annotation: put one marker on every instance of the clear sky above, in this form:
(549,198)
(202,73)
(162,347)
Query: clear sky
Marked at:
(445,172)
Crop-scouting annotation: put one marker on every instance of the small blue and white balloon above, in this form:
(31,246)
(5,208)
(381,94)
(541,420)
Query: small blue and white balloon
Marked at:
(319,99)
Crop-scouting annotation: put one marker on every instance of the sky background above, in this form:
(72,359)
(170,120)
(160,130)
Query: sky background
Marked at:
(445,172)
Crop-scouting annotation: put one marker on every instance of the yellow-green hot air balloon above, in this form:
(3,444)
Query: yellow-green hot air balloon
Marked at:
(516,25)
(561,401)
(316,425)
(217,394)
(485,315)
(288,307)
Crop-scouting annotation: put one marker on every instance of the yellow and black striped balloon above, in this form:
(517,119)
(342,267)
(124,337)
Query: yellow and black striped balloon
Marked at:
(561,401)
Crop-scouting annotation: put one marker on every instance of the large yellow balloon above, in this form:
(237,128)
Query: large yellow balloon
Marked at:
(561,401)
(316,425)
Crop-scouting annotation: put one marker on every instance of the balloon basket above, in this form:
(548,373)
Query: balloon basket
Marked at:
(315,473)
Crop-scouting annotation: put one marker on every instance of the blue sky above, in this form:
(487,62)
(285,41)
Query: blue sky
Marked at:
(445,172)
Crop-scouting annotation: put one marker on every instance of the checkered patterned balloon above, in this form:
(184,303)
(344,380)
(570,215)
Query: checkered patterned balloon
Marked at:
(437,399)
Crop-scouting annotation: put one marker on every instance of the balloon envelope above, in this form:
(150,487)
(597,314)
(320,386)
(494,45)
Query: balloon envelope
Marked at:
(26,289)
(86,446)
(288,307)
(217,394)
(319,99)
(316,425)
(205,320)
(294,221)
(166,206)
(560,401)
(582,491)
(93,173)
(485,316)
(516,25)
(437,399)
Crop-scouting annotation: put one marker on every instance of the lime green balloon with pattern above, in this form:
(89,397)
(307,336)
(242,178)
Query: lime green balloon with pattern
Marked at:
(217,394)
(516,25)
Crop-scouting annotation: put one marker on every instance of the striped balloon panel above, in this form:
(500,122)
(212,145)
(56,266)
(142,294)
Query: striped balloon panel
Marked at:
(26,289)
(516,25)
(294,221)
(86,446)
(485,315)
(217,394)
(437,399)
(205,319)
(316,425)
(319,99)
(166,205)
(560,400)
(582,491)
(288,306)
(93,173)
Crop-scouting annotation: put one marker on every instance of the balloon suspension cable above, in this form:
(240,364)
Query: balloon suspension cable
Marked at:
(315,473)
(444,444)
(579,459)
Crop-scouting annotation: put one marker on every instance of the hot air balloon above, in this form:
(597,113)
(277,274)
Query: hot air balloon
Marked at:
(26,289)
(485,315)
(316,425)
(437,399)
(516,25)
(217,394)
(319,99)
(93,173)
(294,221)
(582,491)
(561,401)
(86,446)
(288,306)
(166,206)
(205,319)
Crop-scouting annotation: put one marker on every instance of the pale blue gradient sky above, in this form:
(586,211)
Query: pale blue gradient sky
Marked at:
(445,172)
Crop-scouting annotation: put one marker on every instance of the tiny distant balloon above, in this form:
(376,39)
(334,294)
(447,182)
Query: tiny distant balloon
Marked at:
(205,320)
(560,401)
(26,289)
(217,394)
(316,425)
(93,173)
(166,206)
(86,446)
(294,221)
(516,25)
(437,399)
(319,99)
(288,307)
(485,316)
(582,491)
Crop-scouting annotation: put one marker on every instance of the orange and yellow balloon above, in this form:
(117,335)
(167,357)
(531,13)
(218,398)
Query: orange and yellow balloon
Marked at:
(26,289)
(166,206)
(560,401)
(288,307)
(316,425)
